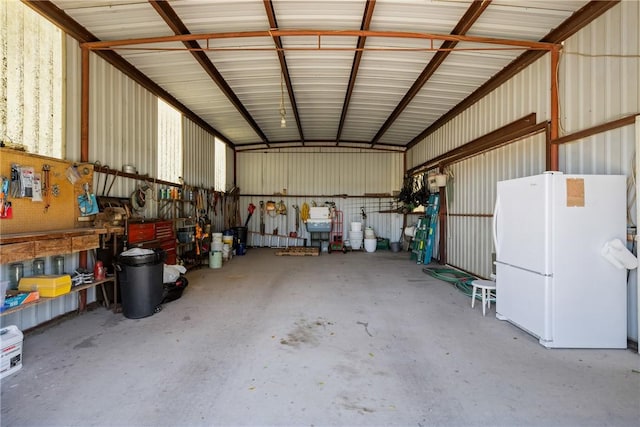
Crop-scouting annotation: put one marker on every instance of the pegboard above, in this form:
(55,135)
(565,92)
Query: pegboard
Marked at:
(63,212)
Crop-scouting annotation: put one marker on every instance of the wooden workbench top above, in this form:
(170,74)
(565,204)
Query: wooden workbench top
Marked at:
(56,234)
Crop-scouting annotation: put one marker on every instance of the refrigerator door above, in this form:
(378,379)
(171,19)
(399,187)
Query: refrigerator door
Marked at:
(523,299)
(589,294)
(521,225)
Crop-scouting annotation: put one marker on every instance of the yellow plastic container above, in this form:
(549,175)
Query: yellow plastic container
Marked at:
(47,286)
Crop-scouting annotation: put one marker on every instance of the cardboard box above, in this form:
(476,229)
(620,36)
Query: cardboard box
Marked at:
(319,212)
(47,286)
(14,298)
(11,344)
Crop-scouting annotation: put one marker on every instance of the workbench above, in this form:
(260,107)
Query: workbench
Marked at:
(29,245)
(25,246)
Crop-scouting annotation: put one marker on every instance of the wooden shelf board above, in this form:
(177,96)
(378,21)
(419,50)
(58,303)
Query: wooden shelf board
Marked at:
(42,300)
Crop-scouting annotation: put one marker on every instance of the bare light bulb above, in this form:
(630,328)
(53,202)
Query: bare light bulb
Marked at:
(283,122)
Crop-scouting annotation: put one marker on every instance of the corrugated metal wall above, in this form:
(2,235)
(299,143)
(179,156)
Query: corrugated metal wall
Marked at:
(600,69)
(199,161)
(122,130)
(122,122)
(528,92)
(321,174)
(609,47)
(386,225)
(471,194)
(319,171)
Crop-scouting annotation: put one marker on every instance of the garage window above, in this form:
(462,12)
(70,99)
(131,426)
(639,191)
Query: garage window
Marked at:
(31,76)
(221,166)
(169,142)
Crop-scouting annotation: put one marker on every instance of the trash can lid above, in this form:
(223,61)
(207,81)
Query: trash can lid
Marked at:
(137,252)
(139,256)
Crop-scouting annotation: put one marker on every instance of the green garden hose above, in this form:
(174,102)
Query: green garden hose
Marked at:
(461,280)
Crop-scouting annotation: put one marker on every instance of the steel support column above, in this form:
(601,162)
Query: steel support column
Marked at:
(84,150)
(553,148)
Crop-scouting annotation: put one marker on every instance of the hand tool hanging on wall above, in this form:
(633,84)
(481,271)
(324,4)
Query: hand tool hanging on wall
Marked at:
(262,217)
(15,181)
(250,209)
(7,211)
(297,209)
(199,202)
(46,184)
(216,197)
(115,175)
(4,194)
(198,238)
(281,208)
(209,201)
(106,178)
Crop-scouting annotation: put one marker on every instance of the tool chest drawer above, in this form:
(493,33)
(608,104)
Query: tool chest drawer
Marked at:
(141,232)
(169,246)
(164,230)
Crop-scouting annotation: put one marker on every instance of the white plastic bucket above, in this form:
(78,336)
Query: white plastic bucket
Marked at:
(370,244)
(216,237)
(356,226)
(356,235)
(215,259)
(217,246)
(356,244)
(369,233)
(226,252)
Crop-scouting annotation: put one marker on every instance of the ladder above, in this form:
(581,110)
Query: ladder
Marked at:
(425,236)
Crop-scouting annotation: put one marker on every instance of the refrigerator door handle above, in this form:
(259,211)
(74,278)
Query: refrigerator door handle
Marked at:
(494,227)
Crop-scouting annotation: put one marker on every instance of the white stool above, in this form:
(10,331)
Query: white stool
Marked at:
(486,287)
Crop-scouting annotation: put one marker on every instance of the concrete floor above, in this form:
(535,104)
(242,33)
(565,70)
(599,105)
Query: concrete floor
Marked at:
(355,339)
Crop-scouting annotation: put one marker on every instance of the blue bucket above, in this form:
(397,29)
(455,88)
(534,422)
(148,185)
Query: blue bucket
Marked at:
(241,249)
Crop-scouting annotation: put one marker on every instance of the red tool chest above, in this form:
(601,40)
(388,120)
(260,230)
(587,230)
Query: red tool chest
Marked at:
(154,234)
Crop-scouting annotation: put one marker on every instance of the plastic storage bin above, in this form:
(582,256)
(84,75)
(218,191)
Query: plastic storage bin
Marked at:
(11,343)
(141,281)
(47,286)
(318,225)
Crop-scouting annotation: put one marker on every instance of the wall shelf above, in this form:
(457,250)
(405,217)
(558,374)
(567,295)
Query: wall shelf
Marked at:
(74,289)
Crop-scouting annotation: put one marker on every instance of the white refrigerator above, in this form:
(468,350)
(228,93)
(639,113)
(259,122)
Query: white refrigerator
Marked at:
(551,279)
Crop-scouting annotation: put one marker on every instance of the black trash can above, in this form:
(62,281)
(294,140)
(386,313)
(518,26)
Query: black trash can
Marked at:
(241,235)
(141,284)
